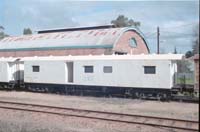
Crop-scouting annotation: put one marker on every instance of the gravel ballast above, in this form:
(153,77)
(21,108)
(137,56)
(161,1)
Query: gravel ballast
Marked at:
(28,121)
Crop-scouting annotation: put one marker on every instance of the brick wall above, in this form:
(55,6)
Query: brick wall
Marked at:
(123,44)
(55,52)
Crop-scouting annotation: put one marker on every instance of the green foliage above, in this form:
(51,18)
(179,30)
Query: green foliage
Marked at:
(123,21)
(195,46)
(27,31)
(189,54)
(183,80)
(175,51)
(2,34)
(1,28)
(183,66)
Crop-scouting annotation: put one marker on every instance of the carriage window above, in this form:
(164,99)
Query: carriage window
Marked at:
(149,70)
(89,69)
(107,69)
(36,68)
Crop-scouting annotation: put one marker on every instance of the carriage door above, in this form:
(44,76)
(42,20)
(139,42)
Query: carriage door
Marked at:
(70,71)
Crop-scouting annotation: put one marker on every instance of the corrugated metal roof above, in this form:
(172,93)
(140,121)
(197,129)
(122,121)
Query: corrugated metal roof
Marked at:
(109,57)
(99,38)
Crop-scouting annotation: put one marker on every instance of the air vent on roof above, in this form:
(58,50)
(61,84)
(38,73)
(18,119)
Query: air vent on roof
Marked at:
(74,29)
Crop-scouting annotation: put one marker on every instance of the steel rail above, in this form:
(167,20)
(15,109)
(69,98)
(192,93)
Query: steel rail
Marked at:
(100,118)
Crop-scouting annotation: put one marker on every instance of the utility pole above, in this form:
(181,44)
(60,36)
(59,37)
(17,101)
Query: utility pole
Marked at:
(158,41)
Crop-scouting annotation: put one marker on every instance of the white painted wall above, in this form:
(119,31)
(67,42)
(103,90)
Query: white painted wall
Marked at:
(4,71)
(8,71)
(125,73)
(50,72)
(11,71)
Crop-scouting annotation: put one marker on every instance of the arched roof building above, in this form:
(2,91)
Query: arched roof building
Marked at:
(76,41)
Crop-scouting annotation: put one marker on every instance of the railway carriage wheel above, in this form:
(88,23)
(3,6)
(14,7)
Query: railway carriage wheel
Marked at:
(160,96)
(135,95)
(141,95)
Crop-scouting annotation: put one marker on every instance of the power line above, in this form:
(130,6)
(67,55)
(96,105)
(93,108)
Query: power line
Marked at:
(184,25)
(171,34)
(167,34)
(149,35)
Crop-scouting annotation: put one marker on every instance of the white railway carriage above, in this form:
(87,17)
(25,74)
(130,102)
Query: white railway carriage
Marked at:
(11,72)
(131,75)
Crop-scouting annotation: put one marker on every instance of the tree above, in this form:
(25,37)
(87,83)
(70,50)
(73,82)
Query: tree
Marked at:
(195,46)
(2,34)
(1,28)
(27,31)
(123,21)
(189,54)
(175,51)
(183,66)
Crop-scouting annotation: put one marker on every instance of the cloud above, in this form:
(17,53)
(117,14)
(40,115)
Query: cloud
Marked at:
(38,14)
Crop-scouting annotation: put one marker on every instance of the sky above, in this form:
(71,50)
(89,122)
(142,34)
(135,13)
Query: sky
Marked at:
(177,20)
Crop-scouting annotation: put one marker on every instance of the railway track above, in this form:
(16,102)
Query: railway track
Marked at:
(170,123)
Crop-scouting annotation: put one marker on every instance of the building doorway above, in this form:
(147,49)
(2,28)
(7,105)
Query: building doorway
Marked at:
(70,70)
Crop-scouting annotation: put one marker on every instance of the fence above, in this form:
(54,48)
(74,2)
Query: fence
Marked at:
(185,78)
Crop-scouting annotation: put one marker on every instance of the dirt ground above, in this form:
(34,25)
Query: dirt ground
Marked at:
(17,121)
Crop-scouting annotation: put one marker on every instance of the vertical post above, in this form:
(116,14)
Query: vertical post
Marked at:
(184,85)
(158,41)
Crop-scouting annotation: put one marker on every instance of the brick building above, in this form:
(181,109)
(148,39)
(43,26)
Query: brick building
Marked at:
(76,41)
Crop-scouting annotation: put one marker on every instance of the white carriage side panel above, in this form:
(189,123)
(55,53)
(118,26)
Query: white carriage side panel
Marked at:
(49,72)
(125,73)
(12,71)
(15,71)
(4,72)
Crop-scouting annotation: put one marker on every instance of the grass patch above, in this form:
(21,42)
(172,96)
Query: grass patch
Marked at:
(187,81)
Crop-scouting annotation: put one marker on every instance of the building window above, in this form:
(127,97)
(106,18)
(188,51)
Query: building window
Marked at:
(149,70)
(107,69)
(36,68)
(133,42)
(120,53)
(88,69)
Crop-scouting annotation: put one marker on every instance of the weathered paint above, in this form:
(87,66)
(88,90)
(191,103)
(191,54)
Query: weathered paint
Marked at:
(8,71)
(58,48)
(64,52)
(130,73)
(96,42)
(123,44)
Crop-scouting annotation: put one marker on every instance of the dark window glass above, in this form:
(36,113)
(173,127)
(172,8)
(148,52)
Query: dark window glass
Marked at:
(36,68)
(149,70)
(120,53)
(107,69)
(133,42)
(88,69)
